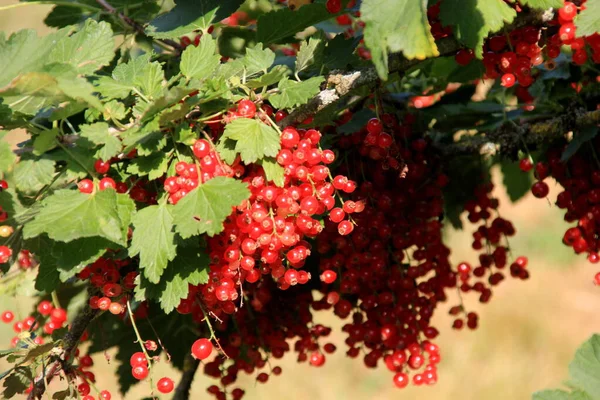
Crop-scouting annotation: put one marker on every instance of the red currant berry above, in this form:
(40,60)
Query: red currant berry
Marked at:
(345,228)
(45,307)
(201,148)
(5,254)
(58,316)
(105,395)
(246,108)
(102,167)
(7,317)
(401,380)
(138,359)
(508,80)
(568,11)
(464,57)
(85,186)
(106,183)
(201,349)
(333,6)
(540,189)
(525,164)
(139,372)
(165,385)
(317,359)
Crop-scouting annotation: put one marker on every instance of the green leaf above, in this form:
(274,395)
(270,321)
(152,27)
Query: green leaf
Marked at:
(32,175)
(579,138)
(189,15)
(311,52)
(147,140)
(151,80)
(517,182)
(584,370)
(99,135)
(543,4)
(205,208)
(292,93)
(153,166)
(202,61)
(190,267)
(138,75)
(397,25)
(273,171)
(37,351)
(45,141)
(254,140)
(67,215)
(588,20)
(27,52)
(551,395)
(31,92)
(87,50)
(76,159)
(275,26)
(153,240)
(56,84)
(258,59)
(17,382)
(272,77)
(226,150)
(473,20)
(67,394)
(47,279)
(7,157)
(73,256)
(62,16)
(340,52)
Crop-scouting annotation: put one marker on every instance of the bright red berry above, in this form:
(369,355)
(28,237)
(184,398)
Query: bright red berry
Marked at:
(45,307)
(106,183)
(7,317)
(201,148)
(165,385)
(138,359)
(568,11)
(139,372)
(85,186)
(246,108)
(58,315)
(5,254)
(508,80)
(526,164)
(102,167)
(201,349)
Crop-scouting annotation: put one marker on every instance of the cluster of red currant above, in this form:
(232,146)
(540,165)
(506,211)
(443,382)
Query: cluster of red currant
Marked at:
(580,179)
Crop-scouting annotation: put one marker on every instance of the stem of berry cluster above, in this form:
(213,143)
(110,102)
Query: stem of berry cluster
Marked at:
(64,352)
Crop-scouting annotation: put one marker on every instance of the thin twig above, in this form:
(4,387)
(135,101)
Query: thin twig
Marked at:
(137,27)
(507,141)
(63,354)
(340,83)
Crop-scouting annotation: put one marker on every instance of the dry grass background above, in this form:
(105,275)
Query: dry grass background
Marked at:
(527,335)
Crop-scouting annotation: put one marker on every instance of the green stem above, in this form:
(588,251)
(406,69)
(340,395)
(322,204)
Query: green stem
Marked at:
(82,165)
(55,300)
(141,342)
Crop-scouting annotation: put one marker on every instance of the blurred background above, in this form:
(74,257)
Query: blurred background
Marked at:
(527,335)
